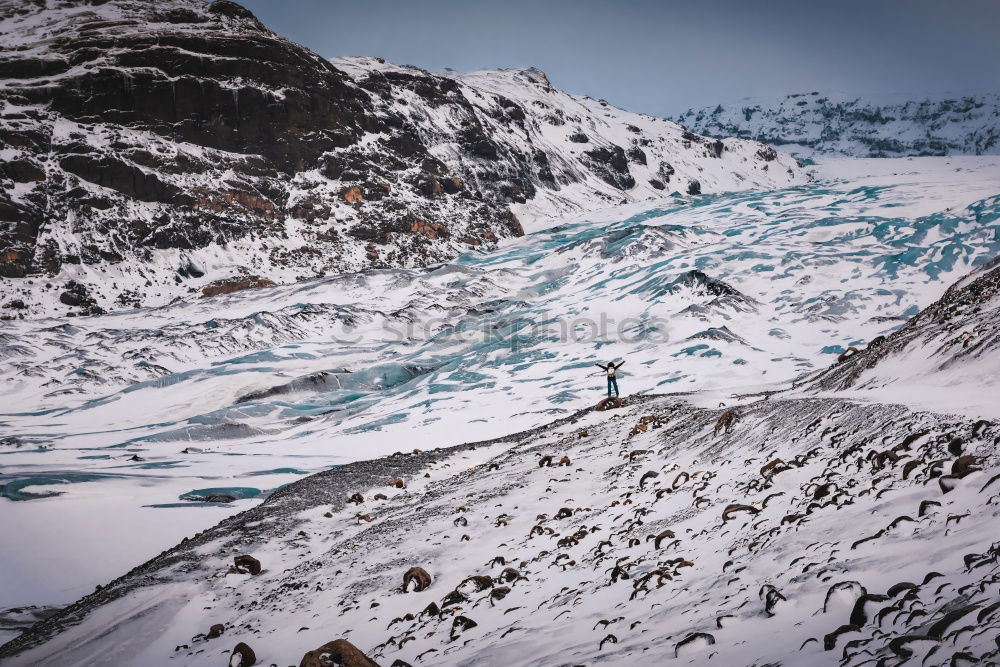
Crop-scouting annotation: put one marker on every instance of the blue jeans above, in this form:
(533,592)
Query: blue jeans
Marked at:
(612,382)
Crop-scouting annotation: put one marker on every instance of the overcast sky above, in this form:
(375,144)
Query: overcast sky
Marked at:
(662,57)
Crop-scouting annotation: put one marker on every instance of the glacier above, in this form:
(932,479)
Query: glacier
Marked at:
(139,428)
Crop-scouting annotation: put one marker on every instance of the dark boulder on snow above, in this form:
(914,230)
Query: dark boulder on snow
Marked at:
(418,577)
(847,354)
(338,652)
(610,403)
(242,656)
(246,564)
(725,422)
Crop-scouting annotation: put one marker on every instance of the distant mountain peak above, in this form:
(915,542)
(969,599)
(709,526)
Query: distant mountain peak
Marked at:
(886,125)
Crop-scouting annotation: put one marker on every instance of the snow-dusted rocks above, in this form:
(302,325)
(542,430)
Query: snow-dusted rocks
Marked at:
(880,126)
(153,151)
(242,656)
(338,652)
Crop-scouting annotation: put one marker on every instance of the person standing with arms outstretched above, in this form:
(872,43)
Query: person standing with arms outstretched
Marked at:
(610,369)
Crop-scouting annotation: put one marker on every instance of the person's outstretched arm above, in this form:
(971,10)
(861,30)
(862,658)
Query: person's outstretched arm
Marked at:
(620,364)
(601,367)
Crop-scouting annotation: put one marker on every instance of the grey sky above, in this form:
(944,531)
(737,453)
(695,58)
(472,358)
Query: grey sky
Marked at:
(663,57)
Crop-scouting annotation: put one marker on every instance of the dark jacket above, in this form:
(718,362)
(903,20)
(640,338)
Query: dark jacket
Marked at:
(610,368)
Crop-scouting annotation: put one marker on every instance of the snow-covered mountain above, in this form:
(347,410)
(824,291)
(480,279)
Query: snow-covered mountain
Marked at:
(388,451)
(816,123)
(155,151)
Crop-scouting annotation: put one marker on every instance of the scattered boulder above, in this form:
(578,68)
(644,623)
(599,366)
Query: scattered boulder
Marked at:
(963,465)
(452,598)
(695,639)
(338,652)
(665,535)
(610,403)
(727,513)
(460,625)
(419,577)
(216,630)
(847,354)
(773,468)
(509,574)
(650,474)
(725,422)
(499,593)
(770,596)
(476,583)
(242,656)
(247,564)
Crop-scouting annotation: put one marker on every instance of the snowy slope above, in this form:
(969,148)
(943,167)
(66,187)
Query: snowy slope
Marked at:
(810,124)
(807,532)
(158,151)
(946,358)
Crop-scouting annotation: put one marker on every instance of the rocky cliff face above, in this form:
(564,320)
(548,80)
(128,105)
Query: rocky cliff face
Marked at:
(848,125)
(161,150)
